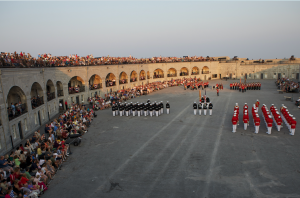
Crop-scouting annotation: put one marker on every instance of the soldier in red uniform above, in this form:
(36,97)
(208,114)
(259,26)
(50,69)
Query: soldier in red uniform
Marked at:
(293,126)
(257,104)
(278,122)
(269,124)
(245,120)
(234,123)
(217,92)
(256,123)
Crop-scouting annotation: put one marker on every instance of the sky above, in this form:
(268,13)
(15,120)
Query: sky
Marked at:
(247,29)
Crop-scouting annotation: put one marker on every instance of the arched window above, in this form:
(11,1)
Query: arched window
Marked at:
(110,80)
(95,82)
(195,70)
(37,95)
(60,89)
(133,76)
(172,72)
(16,102)
(123,79)
(205,70)
(142,75)
(158,73)
(76,85)
(50,90)
(184,71)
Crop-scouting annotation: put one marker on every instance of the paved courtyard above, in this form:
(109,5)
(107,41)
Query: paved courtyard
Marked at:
(182,155)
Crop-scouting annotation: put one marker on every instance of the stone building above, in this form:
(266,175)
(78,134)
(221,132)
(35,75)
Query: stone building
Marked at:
(51,85)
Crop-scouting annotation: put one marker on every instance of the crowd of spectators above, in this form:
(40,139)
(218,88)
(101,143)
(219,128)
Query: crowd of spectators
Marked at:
(47,60)
(287,85)
(27,171)
(100,103)
(15,110)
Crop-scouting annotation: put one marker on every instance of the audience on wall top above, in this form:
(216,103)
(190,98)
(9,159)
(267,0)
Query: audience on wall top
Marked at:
(27,170)
(47,60)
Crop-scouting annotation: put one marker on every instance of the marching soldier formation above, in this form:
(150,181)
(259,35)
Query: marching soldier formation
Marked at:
(243,87)
(204,103)
(140,109)
(270,117)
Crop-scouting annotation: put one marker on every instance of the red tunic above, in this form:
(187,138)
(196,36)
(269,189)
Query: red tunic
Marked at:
(246,118)
(256,121)
(293,124)
(234,120)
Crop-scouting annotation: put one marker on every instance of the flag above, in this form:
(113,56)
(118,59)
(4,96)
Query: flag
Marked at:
(199,94)
(240,80)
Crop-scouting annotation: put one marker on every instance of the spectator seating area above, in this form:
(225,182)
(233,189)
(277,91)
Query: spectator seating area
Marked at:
(47,60)
(28,170)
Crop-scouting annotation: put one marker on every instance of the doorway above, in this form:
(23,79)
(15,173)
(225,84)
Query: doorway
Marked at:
(245,76)
(39,116)
(230,76)
(279,75)
(20,130)
(77,99)
(220,76)
(297,76)
(261,76)
(61,108)
(204,77)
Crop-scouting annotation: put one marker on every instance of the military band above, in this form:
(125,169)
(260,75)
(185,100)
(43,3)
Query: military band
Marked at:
(242,87)
(140,109)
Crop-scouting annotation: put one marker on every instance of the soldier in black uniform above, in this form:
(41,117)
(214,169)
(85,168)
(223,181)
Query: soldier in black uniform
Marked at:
(202,100)
(145,109)
(148,101)
(113,110)
(150,109)
(207,99)
(168,107)
(133,109)
(121,109)
(204,108)
(210,106)
(162,107)
(139,110)
(127,109)
(200,107)
(195,108)
(156,109)
(117,108)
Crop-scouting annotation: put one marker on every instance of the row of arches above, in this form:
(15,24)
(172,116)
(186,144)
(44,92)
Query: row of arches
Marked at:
(16,96)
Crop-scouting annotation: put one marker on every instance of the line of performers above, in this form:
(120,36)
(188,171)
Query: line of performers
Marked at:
(140,109)
(195,85)
(204,106)
(269,117)
(242,87)
(289,120)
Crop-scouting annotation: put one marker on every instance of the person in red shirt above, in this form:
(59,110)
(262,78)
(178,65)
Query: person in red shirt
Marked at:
(293,126)
(245,120)
(257,123)
(234,122)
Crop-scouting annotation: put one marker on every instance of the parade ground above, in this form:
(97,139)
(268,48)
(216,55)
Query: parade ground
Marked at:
(183,155)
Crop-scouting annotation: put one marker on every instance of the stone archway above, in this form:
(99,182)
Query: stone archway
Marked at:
(184,71)
(142,75)
(76,85)
(16,102)
(172,72)
(205,70)
(195,71)
(133,76)
(110,80)
(50,90)
(60,88)
(37,95)
(158,73)
(123,78)
(95,82)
